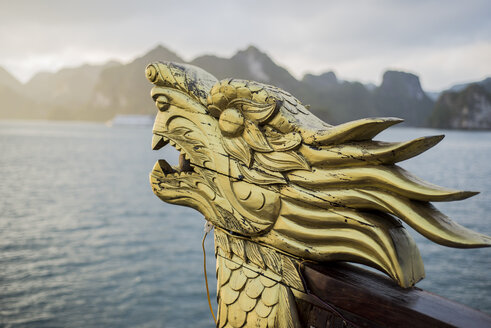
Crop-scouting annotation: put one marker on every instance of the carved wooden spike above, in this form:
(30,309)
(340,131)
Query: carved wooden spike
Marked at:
(281,186)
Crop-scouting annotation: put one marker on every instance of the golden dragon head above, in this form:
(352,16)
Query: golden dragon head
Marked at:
(257,164)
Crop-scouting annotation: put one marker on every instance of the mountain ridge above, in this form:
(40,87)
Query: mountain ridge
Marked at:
(468,108)
(98,92)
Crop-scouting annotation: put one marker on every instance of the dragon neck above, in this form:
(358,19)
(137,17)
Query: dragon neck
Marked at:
(255,283)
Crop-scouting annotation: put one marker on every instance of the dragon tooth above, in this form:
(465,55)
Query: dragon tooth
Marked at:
(163,167)
(184,164)
(157,168)
(158,142)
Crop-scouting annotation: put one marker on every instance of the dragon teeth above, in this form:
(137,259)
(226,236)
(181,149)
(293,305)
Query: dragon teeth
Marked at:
(158,142)
(183,169)
(184,164)
(163,167)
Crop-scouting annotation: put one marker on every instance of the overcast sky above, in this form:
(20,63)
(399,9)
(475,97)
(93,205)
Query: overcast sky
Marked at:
(444,42)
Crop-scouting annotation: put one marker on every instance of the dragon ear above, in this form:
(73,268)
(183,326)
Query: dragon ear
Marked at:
(282,142)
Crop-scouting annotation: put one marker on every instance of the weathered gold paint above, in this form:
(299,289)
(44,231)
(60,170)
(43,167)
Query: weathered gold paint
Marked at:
(281,186)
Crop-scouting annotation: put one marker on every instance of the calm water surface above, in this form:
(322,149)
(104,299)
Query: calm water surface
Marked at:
(85,243)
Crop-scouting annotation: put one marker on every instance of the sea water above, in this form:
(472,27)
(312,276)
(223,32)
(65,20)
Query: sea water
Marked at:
(85,243)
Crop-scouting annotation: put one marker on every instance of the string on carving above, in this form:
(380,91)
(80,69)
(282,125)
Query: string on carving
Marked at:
(208,227)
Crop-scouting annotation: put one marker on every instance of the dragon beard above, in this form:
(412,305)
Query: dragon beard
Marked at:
(262,168)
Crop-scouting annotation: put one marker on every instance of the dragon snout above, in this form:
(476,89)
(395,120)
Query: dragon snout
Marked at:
(151,73)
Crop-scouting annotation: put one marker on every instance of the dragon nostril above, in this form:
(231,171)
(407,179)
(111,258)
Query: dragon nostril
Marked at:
(162,103)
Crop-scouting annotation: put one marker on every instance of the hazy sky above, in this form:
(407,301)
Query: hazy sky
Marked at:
(444,42)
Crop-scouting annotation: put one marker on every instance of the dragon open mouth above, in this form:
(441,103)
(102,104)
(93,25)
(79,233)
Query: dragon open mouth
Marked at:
(163,167)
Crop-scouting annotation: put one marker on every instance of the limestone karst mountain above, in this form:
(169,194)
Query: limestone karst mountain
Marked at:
(250,64)
(333,100)
(469,108)
(13,104)
(124,89)
(99,92)
(8,80)
(69,86)
(401,95)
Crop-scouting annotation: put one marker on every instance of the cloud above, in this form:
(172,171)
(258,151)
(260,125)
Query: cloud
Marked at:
(358,39)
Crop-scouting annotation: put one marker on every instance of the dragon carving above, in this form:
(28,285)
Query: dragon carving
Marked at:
(281,187)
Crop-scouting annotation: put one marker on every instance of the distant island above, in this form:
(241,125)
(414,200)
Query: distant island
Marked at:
(100,92)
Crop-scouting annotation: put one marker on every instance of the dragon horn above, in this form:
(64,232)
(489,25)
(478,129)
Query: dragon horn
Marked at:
(364,129)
